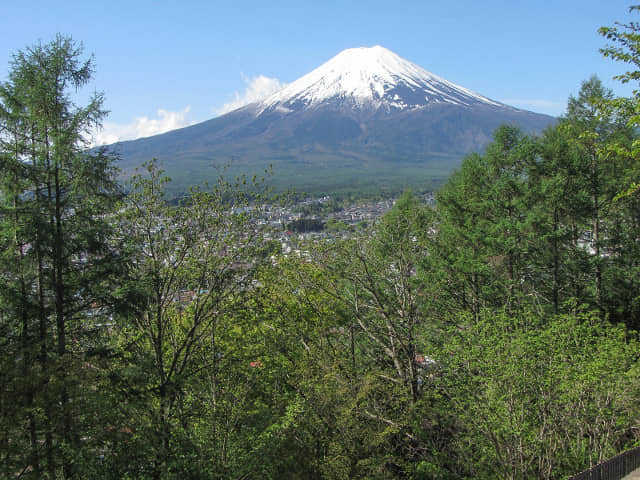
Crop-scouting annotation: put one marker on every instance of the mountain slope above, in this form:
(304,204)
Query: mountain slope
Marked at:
(366,115)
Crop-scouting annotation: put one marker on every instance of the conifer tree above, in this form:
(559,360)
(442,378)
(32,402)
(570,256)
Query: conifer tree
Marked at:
(55,197)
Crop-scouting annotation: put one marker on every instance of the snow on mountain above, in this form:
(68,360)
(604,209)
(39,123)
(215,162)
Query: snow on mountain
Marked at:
(370,78)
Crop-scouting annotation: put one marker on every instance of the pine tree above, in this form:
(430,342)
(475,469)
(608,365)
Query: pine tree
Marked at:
(56,196)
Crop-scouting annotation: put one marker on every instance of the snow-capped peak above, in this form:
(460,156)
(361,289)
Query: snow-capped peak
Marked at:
(370,78)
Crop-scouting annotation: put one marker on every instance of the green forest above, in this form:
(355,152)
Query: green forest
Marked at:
(491,336)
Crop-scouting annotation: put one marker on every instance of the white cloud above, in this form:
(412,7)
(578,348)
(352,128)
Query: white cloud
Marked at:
(541,106)
(258,88)
(141,127)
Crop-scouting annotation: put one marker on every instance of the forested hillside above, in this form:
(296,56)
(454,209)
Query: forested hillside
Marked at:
(493,336)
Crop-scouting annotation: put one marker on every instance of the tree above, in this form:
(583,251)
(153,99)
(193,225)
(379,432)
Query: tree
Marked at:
(625,38)
(559,211)
(599,133)
(183,306)
(55,198)
(376,306)
(483,234)
(383,286)
(539,397)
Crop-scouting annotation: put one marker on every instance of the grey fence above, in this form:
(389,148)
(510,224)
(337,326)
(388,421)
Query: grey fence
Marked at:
(613,469)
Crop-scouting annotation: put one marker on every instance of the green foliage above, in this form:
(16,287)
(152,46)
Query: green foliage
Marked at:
(181,328)
(484,235)
(56,261)
(624,48)
(540,397)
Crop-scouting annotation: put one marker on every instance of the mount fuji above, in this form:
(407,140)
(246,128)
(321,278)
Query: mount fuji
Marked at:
(367,117)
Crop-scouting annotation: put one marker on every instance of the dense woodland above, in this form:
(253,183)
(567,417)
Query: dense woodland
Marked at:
(491,337)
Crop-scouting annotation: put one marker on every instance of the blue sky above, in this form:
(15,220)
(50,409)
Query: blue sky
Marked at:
(164,64)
